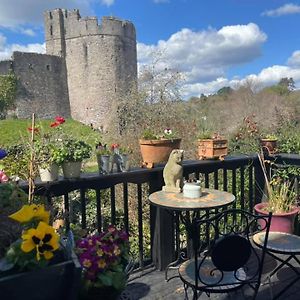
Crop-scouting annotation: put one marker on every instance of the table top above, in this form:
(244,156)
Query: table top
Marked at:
(210,199)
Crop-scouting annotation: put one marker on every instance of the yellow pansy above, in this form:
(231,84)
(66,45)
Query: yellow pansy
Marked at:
(101,264)
(43,239)
(29,212)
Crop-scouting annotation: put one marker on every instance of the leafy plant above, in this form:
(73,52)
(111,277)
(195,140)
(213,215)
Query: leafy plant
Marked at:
(280,193)
(8,89)
(270,136)
(71,150)
(148,134)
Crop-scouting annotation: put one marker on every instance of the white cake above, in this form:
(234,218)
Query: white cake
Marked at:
(192,189)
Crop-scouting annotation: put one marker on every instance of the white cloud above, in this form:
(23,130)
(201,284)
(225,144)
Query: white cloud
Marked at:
(294,60)
(286,9)
(27,31)
(7,50)
(14,13)
(205,55)
(108,2)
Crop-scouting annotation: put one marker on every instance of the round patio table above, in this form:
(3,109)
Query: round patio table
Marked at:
(182,206)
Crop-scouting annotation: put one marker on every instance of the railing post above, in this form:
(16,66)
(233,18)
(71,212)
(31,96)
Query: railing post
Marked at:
(162,230)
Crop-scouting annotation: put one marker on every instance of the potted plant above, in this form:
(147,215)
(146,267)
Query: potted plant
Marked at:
(103,154)
(38,262)
(157,148)
(269,143)
(211,146)
(104,258)
(120,158)
(70,155)
(281,201)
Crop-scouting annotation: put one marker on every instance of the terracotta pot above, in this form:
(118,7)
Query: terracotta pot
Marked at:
(281,222)
(49,174)
(71,169)
(156,151)
(212,148)
(269,145)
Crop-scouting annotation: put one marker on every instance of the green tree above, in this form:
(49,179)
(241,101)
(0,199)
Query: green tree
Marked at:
(8,89)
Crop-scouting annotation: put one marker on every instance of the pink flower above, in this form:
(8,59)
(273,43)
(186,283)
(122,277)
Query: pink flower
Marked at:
(3,177)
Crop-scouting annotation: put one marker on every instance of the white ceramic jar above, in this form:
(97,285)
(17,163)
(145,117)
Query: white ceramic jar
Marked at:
(192,189)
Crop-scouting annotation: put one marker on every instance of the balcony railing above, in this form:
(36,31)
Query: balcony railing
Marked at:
(95,200)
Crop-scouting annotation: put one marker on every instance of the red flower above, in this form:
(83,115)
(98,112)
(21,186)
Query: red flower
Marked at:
(59,120)
(114,146)
(33,129)
(54,124)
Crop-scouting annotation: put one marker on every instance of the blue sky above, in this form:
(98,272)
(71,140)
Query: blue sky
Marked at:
(214,43)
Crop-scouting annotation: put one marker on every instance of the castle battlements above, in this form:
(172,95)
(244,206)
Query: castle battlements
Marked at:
(65,24)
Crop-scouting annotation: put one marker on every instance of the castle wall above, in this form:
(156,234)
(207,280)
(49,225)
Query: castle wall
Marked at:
(5,67)
(100,59)
(42,85)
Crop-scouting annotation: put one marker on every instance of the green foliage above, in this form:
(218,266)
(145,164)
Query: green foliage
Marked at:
(8,89)
(16,161)
(71,150)
(225,91)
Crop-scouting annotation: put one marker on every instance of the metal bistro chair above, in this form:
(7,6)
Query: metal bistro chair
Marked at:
(227,260)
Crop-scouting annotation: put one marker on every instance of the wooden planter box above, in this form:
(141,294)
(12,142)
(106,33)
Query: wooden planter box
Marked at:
(59,281)
(212,148)
(156,151)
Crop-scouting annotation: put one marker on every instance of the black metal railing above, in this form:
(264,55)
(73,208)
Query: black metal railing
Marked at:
(94,200)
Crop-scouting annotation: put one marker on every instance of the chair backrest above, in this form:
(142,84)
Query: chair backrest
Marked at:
(230,250)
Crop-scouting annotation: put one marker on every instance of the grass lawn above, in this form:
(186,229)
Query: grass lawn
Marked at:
(15,131)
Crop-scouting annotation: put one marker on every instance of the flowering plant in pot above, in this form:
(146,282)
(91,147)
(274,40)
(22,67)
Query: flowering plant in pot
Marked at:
(281,200)
(269,143)
(38,262)
(104,258)
(70,155)
(46,148)
(157,148)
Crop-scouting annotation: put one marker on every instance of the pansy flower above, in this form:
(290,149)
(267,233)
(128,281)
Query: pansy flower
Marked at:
(59,120)
(29,212)
(43,239)
(3,153)
(3,177)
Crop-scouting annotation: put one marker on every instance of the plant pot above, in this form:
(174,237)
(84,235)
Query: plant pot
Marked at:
(156,151)
(104,164)
(281,222)
(71,169)
(212,148)
(57,281)
(49,174)
(269,146)
(192,190)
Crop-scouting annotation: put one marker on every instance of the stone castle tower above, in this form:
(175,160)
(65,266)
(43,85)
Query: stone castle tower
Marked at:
(92,66)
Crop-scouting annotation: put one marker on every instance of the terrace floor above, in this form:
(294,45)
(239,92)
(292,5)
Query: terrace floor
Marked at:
(150,284)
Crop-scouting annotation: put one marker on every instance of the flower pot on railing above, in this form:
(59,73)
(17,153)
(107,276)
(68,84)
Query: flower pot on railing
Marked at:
(104,164)
(71,169)
(156,151)
(50,173)
(212,148)
(269,145)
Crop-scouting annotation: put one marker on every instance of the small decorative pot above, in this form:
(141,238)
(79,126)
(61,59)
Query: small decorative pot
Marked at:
(71,169)
(104,164)
(269,146)
(49,174)
(282,222)
(124,162)
(192,189)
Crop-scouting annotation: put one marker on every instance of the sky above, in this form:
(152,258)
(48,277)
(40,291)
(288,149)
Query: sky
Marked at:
(214,43)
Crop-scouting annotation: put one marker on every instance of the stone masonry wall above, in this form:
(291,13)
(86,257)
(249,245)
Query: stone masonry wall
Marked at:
(42,86)
(100,59)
